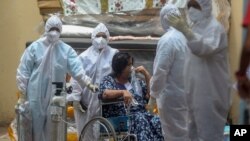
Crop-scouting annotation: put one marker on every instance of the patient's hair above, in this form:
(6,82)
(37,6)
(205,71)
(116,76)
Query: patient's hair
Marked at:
(120,62)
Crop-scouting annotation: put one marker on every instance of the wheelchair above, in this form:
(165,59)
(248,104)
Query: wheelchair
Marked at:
(109,129)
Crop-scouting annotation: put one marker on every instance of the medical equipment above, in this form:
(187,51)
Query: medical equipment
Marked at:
(58,113)
(24,122)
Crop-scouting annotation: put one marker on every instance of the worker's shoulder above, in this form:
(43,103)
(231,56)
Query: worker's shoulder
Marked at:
(34,45)
(65,47)
(61,43)
(113,50)
(86,52)
(215,25)
(172,36)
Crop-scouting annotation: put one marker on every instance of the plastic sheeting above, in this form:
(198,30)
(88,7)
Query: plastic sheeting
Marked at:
(120,24)
(126,17)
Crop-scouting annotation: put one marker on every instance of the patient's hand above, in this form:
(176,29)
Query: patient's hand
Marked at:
(142,70)
(127,97)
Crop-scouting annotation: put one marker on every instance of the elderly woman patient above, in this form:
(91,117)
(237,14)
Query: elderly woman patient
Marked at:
(119,84)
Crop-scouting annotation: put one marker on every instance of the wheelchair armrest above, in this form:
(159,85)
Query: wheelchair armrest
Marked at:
(111,101)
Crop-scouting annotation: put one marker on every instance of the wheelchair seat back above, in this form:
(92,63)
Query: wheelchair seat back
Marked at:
(120,124)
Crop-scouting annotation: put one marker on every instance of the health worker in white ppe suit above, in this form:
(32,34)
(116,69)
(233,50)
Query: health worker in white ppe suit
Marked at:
(47,60)
(167,84)
(96,61)
(206,72)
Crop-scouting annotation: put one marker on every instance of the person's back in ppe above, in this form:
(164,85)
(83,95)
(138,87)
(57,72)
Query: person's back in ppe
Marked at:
(45,61)
(96,61)
(206,73)
(167,84)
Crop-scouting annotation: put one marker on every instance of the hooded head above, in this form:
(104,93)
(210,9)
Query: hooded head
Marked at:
(53,28)
(53,21)
(178,3)
(167,10)
(182,7)
(206,7)
(199,9)
(100,36)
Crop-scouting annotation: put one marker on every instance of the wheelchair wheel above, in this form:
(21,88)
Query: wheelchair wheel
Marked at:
(101,128)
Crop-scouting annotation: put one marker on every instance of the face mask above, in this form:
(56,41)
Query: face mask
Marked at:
(100,42)
(195,15)
(53,36)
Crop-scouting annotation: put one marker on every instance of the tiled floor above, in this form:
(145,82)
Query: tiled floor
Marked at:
(3,134)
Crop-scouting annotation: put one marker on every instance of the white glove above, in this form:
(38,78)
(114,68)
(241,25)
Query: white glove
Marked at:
(151,104)
(77,106)
(69,88)
(84,80)
(179,23)
(94,88)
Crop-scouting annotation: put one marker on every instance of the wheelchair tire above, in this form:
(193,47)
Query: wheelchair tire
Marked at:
(104,122)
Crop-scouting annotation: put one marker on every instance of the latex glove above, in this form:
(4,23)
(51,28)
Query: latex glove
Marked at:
(180,24)
(77,106)
(92,87)
(69,88)
(151,105)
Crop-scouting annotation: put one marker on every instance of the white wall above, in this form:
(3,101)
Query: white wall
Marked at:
(235,45)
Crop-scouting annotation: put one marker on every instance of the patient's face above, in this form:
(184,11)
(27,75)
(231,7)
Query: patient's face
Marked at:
(127,71)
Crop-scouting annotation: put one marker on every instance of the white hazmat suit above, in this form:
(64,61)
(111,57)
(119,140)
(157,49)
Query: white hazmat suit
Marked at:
(167,84)
(96,61)
(45,61)
(206,74)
